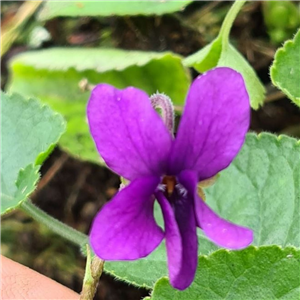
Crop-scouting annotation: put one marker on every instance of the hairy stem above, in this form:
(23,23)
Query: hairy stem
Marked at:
(164,103)
(53,224)
(228,21)
(93,271)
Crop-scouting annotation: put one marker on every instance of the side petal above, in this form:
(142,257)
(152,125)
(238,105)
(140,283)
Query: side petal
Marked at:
(214,124)
(125,228)
(221,232)
(181,240)
(129,134)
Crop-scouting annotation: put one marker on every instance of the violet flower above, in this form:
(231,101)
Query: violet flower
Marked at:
(136,144)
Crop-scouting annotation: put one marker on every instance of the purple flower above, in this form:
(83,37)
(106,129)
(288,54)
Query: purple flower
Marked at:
(135,143)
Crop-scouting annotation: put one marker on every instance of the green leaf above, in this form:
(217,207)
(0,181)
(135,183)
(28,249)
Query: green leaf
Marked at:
(230,57)
(220,53)
(215,55)
(285,70)
(53,75)
(267,272)
(260,190)
(24,186)
(29,133)
(206,58)
(53,9)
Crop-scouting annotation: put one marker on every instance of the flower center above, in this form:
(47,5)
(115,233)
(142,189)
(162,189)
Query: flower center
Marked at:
(169,182)
(172,189)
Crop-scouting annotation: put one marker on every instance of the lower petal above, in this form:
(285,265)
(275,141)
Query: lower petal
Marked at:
(125,228)
(221,232)
(181,240)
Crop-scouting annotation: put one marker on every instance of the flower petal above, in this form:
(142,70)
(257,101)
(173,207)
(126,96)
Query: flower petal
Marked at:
(181,239)
(214,123)
(125,228)
(129,134)
(172,236)
(221,232)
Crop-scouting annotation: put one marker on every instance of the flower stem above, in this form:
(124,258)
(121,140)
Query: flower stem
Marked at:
(53,224)
(93,271)
(228,21)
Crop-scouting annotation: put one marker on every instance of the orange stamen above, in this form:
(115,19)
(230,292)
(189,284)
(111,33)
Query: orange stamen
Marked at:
(170,182)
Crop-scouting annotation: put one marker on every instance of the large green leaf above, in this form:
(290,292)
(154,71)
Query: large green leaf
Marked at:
(260,190)
(53,75)
(267,272)
(29,133)
(285,70)
(54,9)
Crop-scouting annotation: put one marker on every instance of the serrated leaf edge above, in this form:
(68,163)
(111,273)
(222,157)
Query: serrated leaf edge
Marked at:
(211,256)
(280,51)
(124,279)
(37,169)
(277,138)
(43,107)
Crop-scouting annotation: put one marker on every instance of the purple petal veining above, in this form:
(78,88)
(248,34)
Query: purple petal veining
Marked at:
(214,124)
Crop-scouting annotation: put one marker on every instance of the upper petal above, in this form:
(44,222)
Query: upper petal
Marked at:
(214,123)
(181,238)
(128,132)
(125,228)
